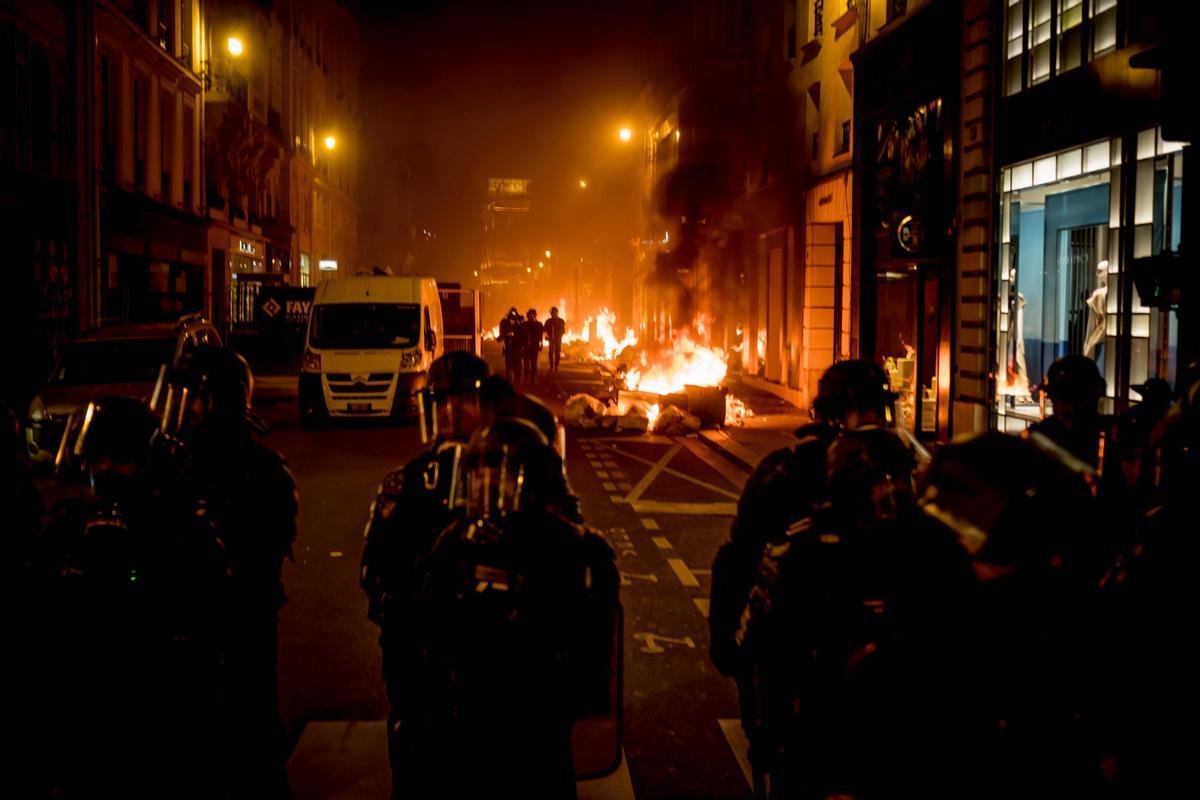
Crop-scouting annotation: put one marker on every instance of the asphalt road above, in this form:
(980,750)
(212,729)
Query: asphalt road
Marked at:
(662,503)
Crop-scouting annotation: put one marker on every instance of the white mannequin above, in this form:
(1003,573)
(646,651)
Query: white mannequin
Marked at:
(1097,305)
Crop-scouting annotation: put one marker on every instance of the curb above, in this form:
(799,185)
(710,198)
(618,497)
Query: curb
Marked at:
(725,444)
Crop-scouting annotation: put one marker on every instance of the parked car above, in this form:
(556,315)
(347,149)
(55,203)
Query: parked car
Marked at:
(369,343)
(116,359)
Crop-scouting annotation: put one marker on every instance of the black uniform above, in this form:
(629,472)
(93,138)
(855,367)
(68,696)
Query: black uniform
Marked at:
(129,591)
(510,338)
(532,333)
(515,635)
(252,497)
(556,328)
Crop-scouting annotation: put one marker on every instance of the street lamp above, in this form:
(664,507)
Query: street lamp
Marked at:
(583,184)
(625,134)
(330,141)
(547,254)
(235,46)
(541,264)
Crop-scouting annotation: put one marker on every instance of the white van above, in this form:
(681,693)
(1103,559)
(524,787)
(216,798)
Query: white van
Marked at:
(369,343)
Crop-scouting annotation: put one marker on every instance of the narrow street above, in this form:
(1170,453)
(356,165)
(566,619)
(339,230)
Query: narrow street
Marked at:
(663,503)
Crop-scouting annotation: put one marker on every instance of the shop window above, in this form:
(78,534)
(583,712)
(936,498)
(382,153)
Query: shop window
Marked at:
(305,270)
(818,19)
(1158,205)
(1059,277)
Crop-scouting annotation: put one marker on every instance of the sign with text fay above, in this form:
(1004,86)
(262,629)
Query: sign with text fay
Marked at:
(280,306)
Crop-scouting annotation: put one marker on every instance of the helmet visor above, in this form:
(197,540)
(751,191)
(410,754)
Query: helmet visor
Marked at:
(495,485)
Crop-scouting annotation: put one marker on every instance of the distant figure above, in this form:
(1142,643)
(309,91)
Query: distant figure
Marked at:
(510,337)
(1075,387)
(532,333)
(556,327)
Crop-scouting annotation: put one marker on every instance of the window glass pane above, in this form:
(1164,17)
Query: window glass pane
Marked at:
(1096,157)
(1053,277)
(1104,31)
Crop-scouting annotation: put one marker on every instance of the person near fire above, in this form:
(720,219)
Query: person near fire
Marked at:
(556,328)
(532,333)
(510,339)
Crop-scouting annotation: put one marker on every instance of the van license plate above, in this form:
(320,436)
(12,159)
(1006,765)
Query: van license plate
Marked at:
(358,406)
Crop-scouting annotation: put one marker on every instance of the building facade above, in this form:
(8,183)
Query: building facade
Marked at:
(1087,192)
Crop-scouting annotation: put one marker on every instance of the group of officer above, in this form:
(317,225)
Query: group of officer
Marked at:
(522,340)
(149,659)
(496,605)
(1001,620)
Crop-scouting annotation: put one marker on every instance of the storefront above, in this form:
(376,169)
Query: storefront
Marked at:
(239,266)
(905,93)
(1085,188)
(152,260)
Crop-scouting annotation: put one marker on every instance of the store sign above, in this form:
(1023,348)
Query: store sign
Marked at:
(327,265)
(246,247)
(509,186)
(279,307)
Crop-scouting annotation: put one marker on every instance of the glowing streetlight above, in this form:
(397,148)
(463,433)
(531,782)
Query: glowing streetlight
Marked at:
(582,183)
(330,142)
(547,254)
(625,134)
(235,46)
(541,264)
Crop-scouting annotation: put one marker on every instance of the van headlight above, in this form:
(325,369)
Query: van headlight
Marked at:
(311,362)
(410,359)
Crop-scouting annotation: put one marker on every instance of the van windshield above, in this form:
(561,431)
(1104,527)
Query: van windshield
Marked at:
(365,326)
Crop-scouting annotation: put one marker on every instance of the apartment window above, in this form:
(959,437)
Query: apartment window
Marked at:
(189,157)
(896,8)
(789,27)
(166,139)
(1044,38)
(139,133)
(166,25)
(185,33)
(818,19)
(844,141)
(815,141)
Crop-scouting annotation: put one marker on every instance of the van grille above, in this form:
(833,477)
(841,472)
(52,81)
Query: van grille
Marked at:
(342,383)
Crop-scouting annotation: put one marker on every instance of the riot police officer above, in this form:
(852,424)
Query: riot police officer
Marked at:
(412,507)
(515,625)
(1024,512)
(251,495)
(1075,386)
(782,490)
(842,626)
(129,585)
(512,340)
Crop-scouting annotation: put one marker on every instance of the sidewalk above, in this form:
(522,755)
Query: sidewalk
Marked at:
(769,429)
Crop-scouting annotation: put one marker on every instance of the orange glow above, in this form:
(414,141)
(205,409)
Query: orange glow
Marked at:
(625,134)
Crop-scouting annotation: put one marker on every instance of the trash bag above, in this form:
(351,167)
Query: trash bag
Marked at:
(635,418)
(583,411)
(674,421)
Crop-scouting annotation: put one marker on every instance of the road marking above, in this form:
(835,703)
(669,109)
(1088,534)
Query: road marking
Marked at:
(649,524)
(627,578)
(610,487)
(652,642)
(702,604)
(620,475)
(616,498)
(616,786)
(682,572)
(739,744)
(661,542)
(696,509)
(661,467)
(655,470)
(721,464)
(602,474)
(601,441)
(624,486)
(702,571)
(336,554)
(594,464)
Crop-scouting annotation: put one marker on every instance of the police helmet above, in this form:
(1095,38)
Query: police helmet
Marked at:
(855,384)
(450,407)
(534,411)
(210,384)
(870,474)
(1074,378)
(108,432)
(507,468)
(1016,503)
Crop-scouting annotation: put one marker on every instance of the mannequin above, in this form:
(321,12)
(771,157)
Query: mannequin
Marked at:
(1097,303)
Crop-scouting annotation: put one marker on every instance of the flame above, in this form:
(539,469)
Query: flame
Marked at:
(495,333)
(736,411)
(762,343)
(652,415)
(686,363)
